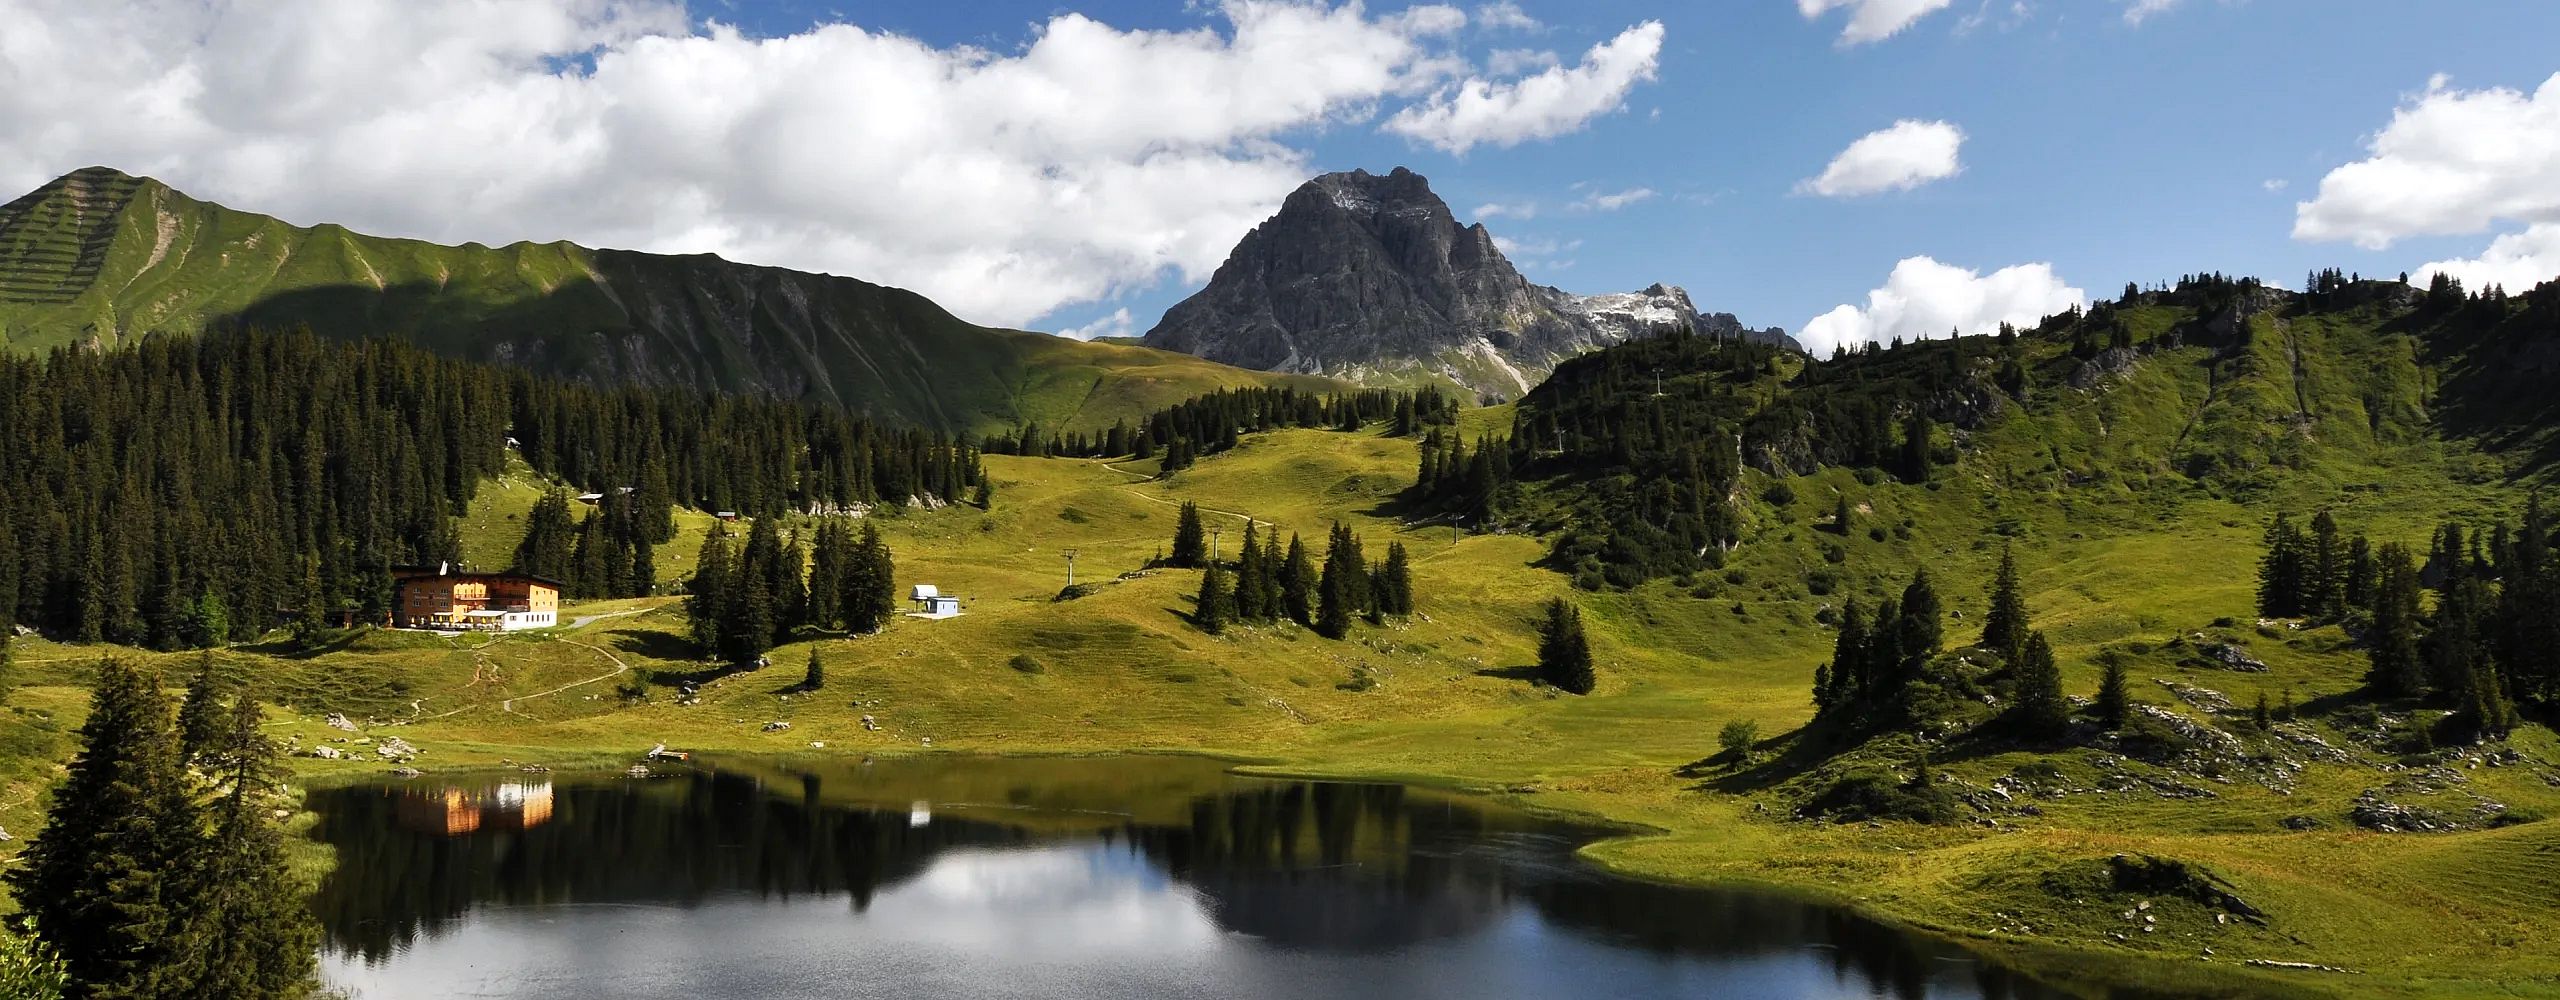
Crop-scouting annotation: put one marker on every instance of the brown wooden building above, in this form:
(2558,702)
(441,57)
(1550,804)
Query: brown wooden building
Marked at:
(442,598)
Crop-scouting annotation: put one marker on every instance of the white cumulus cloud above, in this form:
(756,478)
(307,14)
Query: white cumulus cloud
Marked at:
(1510,209)
(1006,184)
(2516,261)
(1611,201)
(1118,324)
(1908,154)
(1507,16)
(1872,20)
(2451,161)
(1561,99)
(1924,299)
(2137,11)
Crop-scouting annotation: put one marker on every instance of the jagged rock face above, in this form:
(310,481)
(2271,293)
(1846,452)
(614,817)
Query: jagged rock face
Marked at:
(1662,309)
(1371,277)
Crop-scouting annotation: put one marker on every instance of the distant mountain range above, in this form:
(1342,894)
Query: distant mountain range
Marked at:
(1370,278)
(99,257)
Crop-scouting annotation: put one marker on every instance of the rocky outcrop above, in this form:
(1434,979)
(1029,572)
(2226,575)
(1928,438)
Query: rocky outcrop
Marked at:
(1372,278)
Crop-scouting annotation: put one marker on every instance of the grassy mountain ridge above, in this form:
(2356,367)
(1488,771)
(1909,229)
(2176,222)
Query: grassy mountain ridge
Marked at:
(98,257)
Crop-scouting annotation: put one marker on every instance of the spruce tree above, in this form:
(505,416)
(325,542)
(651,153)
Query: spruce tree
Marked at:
(871,584)
(550,539)
(2324,574)
(1251,605)
(707,600)
(2397,670)
(110,879)
(827,565)
(817,676)
(1215,602)
(200,717)
(2041,708)
(1844,683)
(2004,627)
(1298,584)
(1398,580)
(1921,632)
(1564,651)
(2114,702)
(2282,571)
(1190,540)
(259,937)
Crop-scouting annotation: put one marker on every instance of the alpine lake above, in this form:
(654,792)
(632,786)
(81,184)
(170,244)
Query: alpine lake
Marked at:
(1083,877)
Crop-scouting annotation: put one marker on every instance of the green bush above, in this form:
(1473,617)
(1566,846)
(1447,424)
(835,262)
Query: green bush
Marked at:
(1779,494)
(1026,663)
(1876,795)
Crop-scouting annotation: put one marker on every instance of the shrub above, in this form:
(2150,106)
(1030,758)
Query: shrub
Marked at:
(1876,534)
(1026,663)
(1779,494)
(1737,738)
(1875,795)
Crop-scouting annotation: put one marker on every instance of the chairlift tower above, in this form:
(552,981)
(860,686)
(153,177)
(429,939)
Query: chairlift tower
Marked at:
(1071,567)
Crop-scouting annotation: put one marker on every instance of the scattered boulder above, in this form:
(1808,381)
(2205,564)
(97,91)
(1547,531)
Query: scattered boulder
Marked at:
(340,722)
(2381,815)
(869,725)
(405,772)
(2226,656)
(325,752)
(395,749)
(638,771)
(776,726)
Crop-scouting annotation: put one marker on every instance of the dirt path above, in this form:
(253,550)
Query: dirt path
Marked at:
(1171,503)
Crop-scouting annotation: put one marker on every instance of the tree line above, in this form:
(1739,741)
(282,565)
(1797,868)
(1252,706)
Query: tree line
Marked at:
(2487,645)
(747,597)
(1211,423)
(184,491)
(160,871)
(1270,584)
(1886,671)
(610,553)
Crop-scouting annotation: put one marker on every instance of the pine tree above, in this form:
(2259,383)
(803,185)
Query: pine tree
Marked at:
(1845,680)
(1397,598)
(1298,584)
(109,879)
(1251,605)
(871,584)
(1343,591)
(2114,702)
(259,937)
(2397,670)
(827,564)
(2283,572)
(1840,519)
(2004,627)
(1564,652)
(1215,603)
(550,539)
(1190,540)
(817,676)
(2041,708)
(707,600)
(1921,632)
(200,718)
(986,497)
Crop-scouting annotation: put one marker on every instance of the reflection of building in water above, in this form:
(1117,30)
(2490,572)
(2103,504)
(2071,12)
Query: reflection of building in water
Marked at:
(457,811)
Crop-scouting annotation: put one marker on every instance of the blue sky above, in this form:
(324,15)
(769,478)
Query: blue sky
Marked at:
(2118,152)
(2113,151)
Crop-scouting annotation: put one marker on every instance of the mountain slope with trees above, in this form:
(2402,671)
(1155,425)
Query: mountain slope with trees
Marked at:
(98,258)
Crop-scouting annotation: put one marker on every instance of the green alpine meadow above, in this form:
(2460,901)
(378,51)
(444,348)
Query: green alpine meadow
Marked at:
(408,616)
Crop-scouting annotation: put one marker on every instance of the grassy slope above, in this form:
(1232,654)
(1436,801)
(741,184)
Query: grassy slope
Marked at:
(171,263)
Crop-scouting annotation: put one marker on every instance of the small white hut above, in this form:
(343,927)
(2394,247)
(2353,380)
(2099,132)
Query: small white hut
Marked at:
(931,602)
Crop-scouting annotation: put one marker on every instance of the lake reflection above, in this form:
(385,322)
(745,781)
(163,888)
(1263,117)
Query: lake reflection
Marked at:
(1003,877)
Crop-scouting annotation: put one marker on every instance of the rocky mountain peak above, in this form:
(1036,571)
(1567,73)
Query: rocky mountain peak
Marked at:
(1370,277)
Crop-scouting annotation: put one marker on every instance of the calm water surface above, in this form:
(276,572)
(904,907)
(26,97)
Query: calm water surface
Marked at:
(1006,877)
